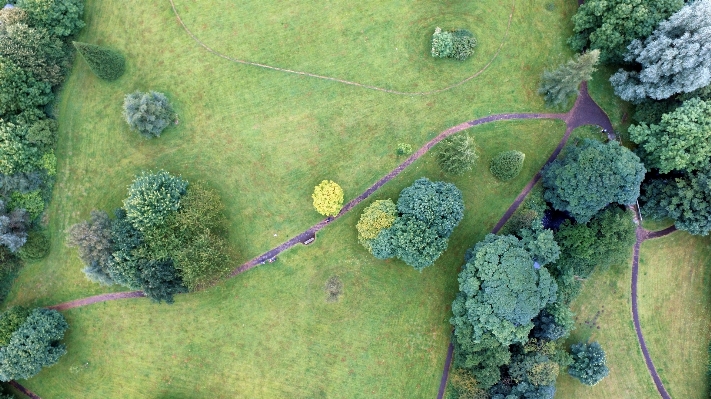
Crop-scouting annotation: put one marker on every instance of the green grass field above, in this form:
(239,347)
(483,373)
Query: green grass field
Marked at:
(263,139)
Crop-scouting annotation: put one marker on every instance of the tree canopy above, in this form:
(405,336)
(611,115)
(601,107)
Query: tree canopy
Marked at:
(328,198)
(681,141)
(676,58)
(60,17)
(457,154)
(559,85)
(379,215)
(152,197)
(148,113)
(106,63)
(589,363)
(611,25)
(507,165)
(591,176)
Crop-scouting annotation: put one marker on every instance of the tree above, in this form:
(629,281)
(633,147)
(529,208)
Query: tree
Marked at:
(437,204)
(412,241)
(106,63)
(34,345)
(93,240)
(13,227)
(588,363)
(10,320)
(159,280)
(328,198)
(152,197)
(560,85)
(458,44)
(501,291)
(604,241)
(681,141)
(124,267)
(148,113)
(36,247)
(377,216)
(35,51)
(19,90)
(554,322)
(457,154)
(676,58)
(507,165)
(611,25)
(686,199)
(60,17)
(591,176)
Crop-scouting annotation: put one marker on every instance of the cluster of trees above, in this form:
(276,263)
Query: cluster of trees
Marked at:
(168,238)
(511,316)
(456,43)
(29,341)
(417,229)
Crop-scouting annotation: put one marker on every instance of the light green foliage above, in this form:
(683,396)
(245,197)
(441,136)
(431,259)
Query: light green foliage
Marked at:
(32,202)
(465,385)
(10,320)
(377,216)
(49,163)
(457,154)
(458,44)
(35,51)
(148,113)
(106,63)
(604,241)
(591,176)
(18,153)
(33,346)
(403,149)
(681,141)
(589,363)
(507,165)
(528,215)
(501,291)
(686,199)
(152,197)
(328,198)
(19,90)
(560,85)
(611,25)
(36,247)
(59,17)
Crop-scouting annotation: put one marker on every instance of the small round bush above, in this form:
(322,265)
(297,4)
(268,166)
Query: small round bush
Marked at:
(458,44)
(148,113)
(442,43)
(404,149)
(36,247)
(107,64)
(328,198)
(507,165)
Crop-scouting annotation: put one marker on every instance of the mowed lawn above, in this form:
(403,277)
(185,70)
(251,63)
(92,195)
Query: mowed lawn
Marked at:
(270,332)
(675,310)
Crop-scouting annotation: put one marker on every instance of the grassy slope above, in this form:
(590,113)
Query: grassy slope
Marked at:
(675,311)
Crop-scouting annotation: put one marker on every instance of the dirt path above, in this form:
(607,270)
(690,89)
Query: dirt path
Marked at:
(343,81)
(643,235)
(97,298)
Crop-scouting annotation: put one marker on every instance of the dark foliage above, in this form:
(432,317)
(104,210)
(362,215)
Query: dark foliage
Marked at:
(10,320)
(507,165)
(589,363)
(106,63)
(159,280)
(60,17)
(36,247)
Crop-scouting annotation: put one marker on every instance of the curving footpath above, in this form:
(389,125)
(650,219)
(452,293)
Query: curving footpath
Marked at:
(584,112)
(643,235)
(343,81)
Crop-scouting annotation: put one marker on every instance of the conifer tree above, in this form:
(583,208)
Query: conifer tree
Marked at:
(559,85)
(107,64)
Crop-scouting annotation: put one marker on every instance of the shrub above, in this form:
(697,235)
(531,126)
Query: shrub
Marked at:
(377,216)
(32,202)
(93,239)
(334,288)
(588,363)
(34,345)
(458,44)
(107,64)
(36,247)
(148,113)
(457,154)
(10,321)
(152,197)
(59,17)
(328,198)
(442,43)
(404,149)
(507,165)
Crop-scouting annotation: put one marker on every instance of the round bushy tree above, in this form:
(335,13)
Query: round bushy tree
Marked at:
(34,345)
(457,154)
(328,198)
(107,64)
(458,44)
(507,165)
(588,363)
(591,176)
(148,113)
(35,51)
(152,197)
(19,90)
(59,17)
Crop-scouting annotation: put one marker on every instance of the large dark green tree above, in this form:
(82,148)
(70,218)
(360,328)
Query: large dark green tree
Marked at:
(589,363)
(34,345)
(60,17)
(611,25)
(681,141)
(152,197)
(35,51)
(20,90)
(591,176)
(106,63)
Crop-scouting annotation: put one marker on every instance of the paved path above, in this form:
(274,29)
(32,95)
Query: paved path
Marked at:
(343,81)
(643,235)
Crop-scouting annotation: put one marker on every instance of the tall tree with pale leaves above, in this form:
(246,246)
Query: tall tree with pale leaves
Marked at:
(676,58)
(560,85)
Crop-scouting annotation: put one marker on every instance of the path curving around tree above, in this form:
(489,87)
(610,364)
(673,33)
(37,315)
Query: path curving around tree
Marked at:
(343,81)
(643,235)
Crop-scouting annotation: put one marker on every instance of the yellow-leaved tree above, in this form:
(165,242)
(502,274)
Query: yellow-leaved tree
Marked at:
(328,198)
